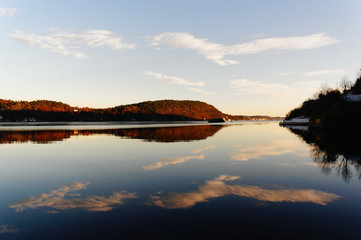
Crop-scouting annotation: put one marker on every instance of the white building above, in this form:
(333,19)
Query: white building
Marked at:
(302,120)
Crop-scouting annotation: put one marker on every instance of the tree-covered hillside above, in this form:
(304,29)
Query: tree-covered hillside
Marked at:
(334,109)
(172,110)
(161,110)
(38,105)
(194,110)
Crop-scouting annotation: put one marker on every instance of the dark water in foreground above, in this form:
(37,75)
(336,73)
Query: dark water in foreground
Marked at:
(239,181)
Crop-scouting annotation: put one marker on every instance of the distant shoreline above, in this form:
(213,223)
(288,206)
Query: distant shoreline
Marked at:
(113,124)
(159,110)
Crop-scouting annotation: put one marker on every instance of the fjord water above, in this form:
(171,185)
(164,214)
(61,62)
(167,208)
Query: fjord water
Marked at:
(241,180)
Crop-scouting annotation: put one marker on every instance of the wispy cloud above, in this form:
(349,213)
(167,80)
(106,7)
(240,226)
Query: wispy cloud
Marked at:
(216,52)
(59,199)
(172,80)
(67,44)
(325,72)
(287,73)
(218,188)
(202,91)
(260,35)
(271,90)
(7,11)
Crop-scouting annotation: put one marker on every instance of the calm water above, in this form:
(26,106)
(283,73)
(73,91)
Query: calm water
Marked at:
(238,181)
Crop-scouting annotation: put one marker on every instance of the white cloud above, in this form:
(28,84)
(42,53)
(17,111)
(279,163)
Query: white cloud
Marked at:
(52,29)
(287,73)
(8,11)
(216,52)
(326,72)
(56,199)
(272,90)
(260,35)
(66,44)
(218,188)
(171,79)
(202,91)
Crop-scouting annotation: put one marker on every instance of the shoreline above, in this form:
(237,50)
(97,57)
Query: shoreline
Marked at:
(29,126)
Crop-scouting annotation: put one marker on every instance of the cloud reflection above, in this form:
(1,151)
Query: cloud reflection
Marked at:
(60,199)
(323,165)
(273,148)
(198,150)
(177,160)
(8,229)
(171,161)
(218,188)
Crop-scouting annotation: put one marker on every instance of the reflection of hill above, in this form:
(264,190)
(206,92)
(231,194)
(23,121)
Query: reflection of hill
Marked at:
(171,134)
(162,134)
(334,153)
(34,136)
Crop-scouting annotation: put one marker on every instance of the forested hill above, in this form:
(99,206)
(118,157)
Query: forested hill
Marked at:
(194,110)
(44,110)
(38,105)
(162,110)
(337,110)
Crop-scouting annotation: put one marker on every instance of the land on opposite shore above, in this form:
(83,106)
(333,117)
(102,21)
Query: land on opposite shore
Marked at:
(161,110)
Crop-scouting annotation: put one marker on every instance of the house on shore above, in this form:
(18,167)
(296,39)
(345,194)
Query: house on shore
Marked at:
(302,120)
(353,97)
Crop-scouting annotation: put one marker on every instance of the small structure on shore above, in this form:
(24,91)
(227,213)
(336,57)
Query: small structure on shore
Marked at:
(302,120)
(353,97)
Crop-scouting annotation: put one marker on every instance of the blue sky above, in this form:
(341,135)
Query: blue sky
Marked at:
(243,57)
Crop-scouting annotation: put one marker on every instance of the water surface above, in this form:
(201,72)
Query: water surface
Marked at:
(230,181)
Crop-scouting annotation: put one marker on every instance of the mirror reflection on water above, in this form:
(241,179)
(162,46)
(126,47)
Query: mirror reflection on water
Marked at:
(334,154)
(241,180)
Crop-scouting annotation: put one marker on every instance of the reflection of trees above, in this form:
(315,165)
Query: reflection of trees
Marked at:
(345,166)
(161,134)
(34,136)
(171,134)
(334,153)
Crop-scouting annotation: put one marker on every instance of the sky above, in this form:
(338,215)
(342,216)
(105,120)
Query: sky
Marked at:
(242,56)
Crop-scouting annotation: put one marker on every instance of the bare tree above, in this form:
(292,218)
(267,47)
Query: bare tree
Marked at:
(345,84)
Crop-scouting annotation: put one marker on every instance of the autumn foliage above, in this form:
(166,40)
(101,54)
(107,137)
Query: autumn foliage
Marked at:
(43,110)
